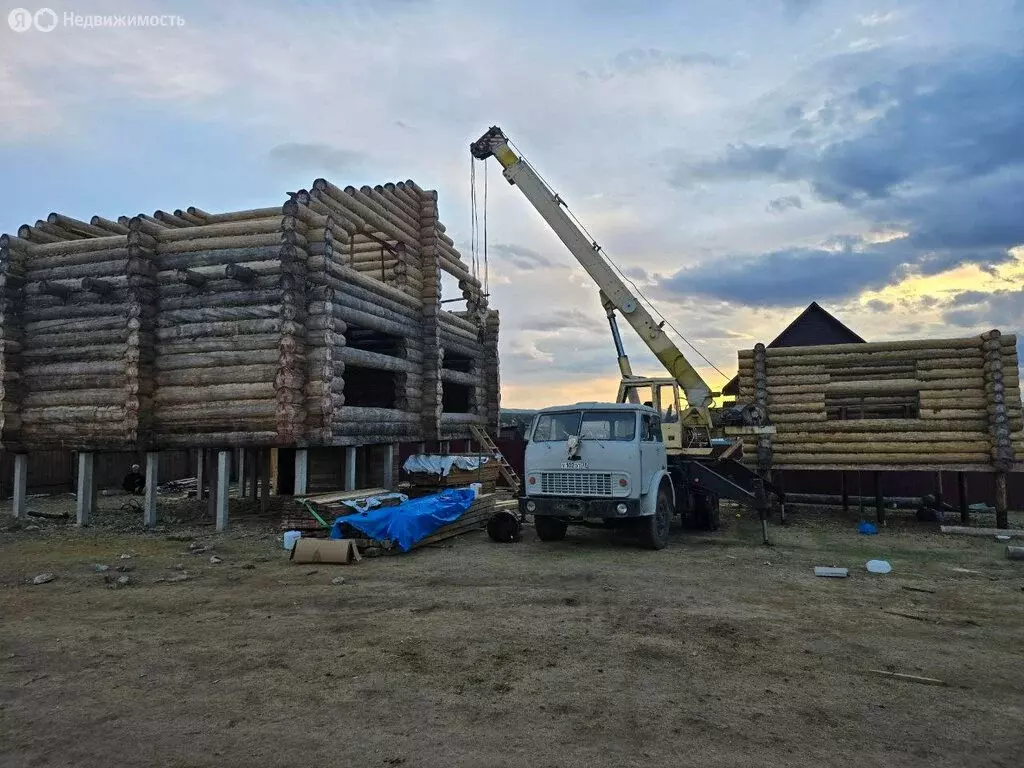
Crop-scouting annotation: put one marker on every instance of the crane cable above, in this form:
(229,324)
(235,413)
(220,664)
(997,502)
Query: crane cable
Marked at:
(476,252)
(650,305)
(472,217)
(487,280)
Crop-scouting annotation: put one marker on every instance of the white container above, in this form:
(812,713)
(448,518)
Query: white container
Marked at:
(290,537)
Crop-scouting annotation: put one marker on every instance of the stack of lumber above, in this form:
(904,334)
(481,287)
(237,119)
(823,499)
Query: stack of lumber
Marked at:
(473,519)
(486,474)
(928,403)
(327,505)
(243,328)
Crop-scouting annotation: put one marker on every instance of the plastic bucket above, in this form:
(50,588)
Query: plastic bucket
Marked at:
(290,537)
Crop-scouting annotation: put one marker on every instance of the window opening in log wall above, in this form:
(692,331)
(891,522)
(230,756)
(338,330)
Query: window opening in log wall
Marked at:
(897,405)
(369,388)
(456,398)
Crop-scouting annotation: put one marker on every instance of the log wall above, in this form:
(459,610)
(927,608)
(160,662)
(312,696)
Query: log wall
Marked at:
(240,328)
(923,403)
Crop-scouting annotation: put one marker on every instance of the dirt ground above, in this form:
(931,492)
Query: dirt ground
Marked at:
(714,652)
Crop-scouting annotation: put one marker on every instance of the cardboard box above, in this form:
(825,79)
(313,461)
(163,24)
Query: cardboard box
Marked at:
(329,551)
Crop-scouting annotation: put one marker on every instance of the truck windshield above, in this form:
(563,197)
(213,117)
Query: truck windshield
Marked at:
(590,425)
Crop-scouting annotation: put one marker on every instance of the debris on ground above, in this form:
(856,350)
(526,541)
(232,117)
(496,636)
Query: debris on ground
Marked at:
(126,556)
(878,566)
(1015,553)
(905,615)
(328,551)
(33,528)
(49,515)
(101,568)
(183,576)
(919,589)
(125,568)
(907,678)
(830,572)
(214,560)
(121,581)
(44,578)
(867,529)
(338,580)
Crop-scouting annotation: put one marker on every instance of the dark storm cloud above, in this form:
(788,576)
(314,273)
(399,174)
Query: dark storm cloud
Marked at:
(943,161)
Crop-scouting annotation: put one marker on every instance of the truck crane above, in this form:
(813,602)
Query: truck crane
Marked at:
(698,479)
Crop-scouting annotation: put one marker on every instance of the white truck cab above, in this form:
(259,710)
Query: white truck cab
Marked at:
(598,461)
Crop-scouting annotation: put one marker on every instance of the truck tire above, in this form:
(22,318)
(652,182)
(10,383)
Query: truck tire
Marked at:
(654,529)
(550,528)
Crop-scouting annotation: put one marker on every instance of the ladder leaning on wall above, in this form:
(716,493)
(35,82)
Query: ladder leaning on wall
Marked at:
(481,436)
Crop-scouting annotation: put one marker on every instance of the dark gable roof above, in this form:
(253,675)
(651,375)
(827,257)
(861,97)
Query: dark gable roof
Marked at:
(812,327)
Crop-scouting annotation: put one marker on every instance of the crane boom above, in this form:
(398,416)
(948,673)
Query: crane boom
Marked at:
(614,291)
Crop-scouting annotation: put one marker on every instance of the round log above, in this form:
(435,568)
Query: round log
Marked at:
(191,218)
(224,375)
(344,218)
(375,415)
(220,412)
(783,457)
(39,237)
(171,395)
(69,396)
(214,359)
(236,216)
(225,242)
(107,267)
(377,215)
(83,414)
(267,225)
(170,219)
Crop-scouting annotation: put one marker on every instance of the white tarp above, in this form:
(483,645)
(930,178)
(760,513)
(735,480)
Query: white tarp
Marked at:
(442,465)
(372,502)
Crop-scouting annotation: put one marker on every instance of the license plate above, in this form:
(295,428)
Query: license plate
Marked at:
(575,465)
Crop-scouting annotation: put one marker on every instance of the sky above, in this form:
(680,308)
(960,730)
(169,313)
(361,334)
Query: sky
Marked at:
(737,160)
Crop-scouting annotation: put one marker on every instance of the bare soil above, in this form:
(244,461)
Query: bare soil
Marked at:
(717,651)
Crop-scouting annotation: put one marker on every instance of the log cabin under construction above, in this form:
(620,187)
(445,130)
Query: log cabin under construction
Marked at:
(316,324)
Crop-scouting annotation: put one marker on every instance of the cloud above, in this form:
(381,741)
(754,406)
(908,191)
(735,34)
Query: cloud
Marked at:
(640,61)
(942,162)
(876,19)
(636,273)
(794,9)
(521,257)
(965,298)
(782,204)
(315,158)
(877,305)
(947,123)
(791,276)
(558,320)
(976,309)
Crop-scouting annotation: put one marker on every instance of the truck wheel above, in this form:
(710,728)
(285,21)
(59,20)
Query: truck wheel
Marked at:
(654,529)
(550,528)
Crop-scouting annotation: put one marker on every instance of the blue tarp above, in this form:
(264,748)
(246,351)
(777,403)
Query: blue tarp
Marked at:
(411,521)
